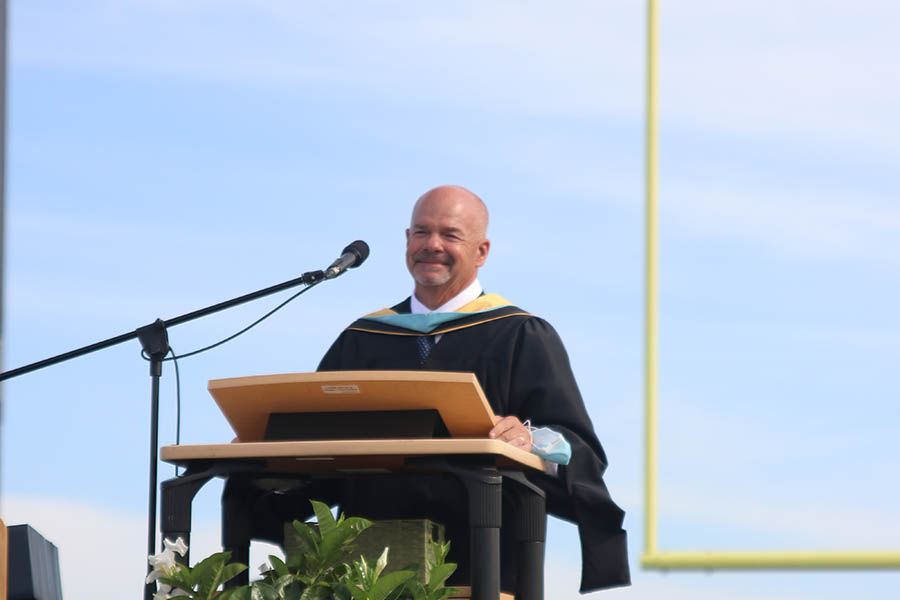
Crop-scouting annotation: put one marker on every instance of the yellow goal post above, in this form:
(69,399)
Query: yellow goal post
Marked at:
(652,558)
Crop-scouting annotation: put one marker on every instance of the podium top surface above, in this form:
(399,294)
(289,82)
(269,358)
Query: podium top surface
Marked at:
(247,402)
(312,455)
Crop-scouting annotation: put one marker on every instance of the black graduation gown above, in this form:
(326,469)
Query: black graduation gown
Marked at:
(524,370)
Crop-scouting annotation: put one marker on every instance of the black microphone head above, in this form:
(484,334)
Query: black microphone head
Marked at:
(360,249)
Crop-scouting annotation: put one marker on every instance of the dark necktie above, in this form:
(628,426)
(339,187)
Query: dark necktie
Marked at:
(425,343)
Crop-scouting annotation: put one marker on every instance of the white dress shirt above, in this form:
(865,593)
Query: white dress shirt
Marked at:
(461,299)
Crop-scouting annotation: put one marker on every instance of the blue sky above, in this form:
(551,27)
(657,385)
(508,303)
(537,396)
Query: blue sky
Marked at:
(164,156)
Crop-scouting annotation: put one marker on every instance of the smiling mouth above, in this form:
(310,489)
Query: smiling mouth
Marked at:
(430,261)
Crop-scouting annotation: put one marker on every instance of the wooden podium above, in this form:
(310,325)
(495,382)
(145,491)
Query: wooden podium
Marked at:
(482,465)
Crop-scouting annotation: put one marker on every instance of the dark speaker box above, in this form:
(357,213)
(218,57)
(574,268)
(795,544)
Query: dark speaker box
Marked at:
(33,566)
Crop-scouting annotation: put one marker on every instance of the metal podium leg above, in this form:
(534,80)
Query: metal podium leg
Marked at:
(249,512)
(483,485)
(238,499)
(177,496)
(530,523)
(485,500)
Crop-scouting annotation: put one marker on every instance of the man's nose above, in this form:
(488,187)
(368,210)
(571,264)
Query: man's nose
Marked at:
(433,243)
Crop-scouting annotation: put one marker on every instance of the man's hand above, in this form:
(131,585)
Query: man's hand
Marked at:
(511,430)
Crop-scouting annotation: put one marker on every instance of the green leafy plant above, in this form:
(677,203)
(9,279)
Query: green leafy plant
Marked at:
(200,582)
(365,582)
(317,566)
(437,573)
(203,580)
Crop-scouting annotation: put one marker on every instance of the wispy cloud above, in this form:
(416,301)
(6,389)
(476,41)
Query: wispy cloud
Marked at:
(89,535)
(737,67)
(518,56)
(801,69)
(102,551)
(803,221)
(784,523)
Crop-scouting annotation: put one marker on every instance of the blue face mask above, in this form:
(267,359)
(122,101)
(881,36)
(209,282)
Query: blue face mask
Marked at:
(550,445)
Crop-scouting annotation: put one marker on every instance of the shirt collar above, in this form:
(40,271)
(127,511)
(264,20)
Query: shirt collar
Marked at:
(461,299)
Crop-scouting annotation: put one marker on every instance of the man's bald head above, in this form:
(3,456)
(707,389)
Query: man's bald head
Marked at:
(471,205)
(446,242)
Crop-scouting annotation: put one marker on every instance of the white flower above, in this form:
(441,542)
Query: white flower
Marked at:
(164,566)
(164,561)
(162,591)
(177,546)
(167,591)
(382,562)
(154,575)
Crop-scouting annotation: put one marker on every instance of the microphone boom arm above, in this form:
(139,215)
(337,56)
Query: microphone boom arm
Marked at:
(308,278)
(155,343)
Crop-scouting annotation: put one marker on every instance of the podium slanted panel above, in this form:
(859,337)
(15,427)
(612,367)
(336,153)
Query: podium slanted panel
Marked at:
(247,402)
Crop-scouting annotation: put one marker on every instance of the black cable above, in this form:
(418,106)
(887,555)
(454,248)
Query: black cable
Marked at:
(177,402)
(248,327)
(242,331)
(174,358)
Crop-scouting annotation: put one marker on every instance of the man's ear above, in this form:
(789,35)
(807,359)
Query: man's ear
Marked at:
(407,235)
(484,247)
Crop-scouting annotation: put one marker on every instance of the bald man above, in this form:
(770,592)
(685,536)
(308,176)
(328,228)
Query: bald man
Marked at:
(450,324)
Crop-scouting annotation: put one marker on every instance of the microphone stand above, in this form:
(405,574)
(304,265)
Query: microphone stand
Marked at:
(154,341)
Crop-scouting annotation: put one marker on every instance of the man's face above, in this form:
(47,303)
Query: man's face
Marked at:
(445,242)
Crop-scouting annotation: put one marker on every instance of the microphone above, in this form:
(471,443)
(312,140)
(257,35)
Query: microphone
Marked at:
(352,256)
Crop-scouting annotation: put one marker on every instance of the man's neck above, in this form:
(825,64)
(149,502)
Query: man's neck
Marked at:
(441,303)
